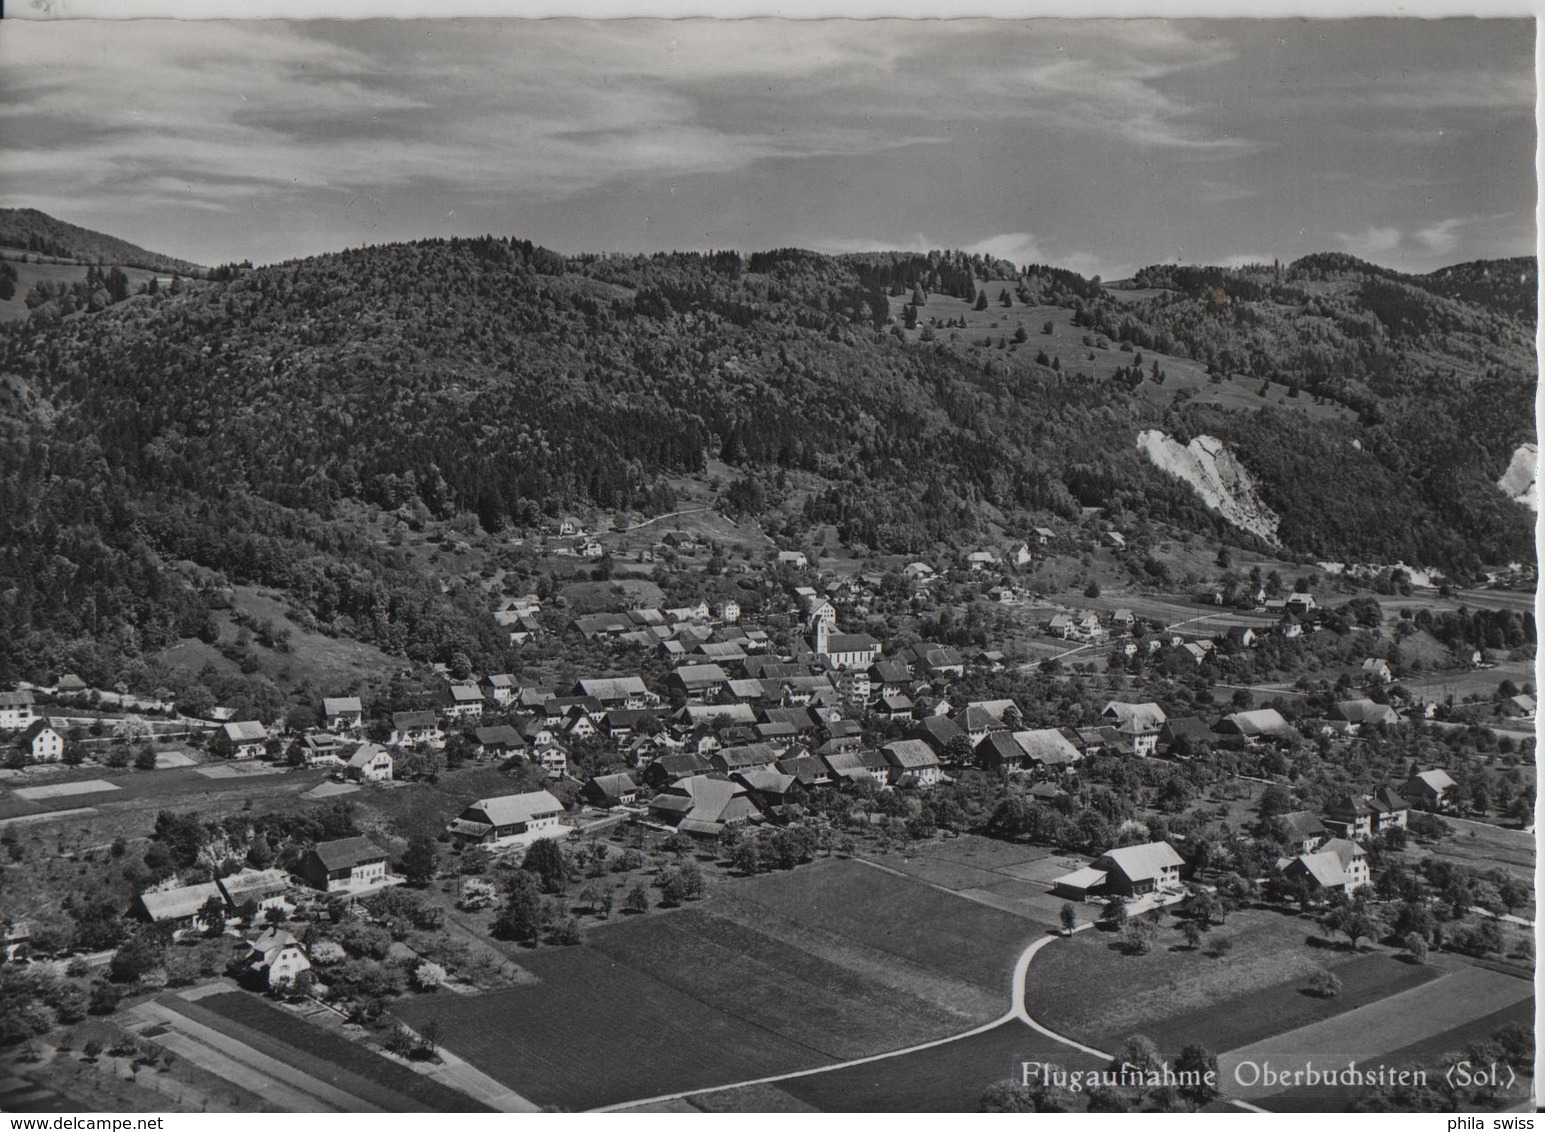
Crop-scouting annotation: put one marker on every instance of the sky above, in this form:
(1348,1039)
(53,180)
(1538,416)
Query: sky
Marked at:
(1100,146)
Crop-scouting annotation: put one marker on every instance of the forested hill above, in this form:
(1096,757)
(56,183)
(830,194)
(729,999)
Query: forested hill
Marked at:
(28,230)
(236,423)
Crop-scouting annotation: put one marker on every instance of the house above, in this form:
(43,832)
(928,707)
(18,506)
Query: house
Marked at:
(497,742)
(180,907)
(1363,713)
(697,682)
(1251,727)
(1123,619)
(1043,536)
(1047,747)
(1519,707)
(71,685)
(350,864)
(523,628)
(1019,555)
(1138,724)
(1116,540)
(610,790)
(1337,866)
(1390,809)
(794,558)
(41,743)
(981,560)
(695,715)
(1376,671)
(894,706)
(617,691)
(371,763)
(509,820)
(918,571)
(667,769)
(619,723)
(1303,830)
(702,806)
(1134,870)
(1000,751)
(727,760)
(807,770)
(342,713)
(321,748)
(16,711)
(1429,789)
(1185,736)
(1061,626)
(245,740)
(1349,816)
(591,548)
(938,660)
(1003,595)
(855,766)
(1241,637)
(415,729)
(912,760)
(265,888)
(501,688)
(461,701)
(727,611)
(939,732)
(277,958)
(551,758)
(1299,603)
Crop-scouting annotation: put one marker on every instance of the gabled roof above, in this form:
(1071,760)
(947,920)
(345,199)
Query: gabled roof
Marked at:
(1300,825)
(939,731)
(682,765)
(611,688)
(765,780)
(851,642)
(367,754)
(341,705)
(752,754)
(15,699)
(247,731)
(1141,862)
(1047,746)
(1388,800)
(347,852)
(412,720)
(1261,721)
(718,713)
(512,809)
(1000,746)
(465,694)
(1323,868)
(1437,780)
(36,728)
(807,769)
(700,675)
(502,735)
(1146,716)
(909,754)
(1364,711)
(979,719)
(178,903)
(612,785)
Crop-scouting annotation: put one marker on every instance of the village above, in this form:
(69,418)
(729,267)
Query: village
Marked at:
(735,743)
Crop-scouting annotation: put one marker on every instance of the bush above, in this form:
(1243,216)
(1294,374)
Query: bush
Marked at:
(1416,947)
(1324,984)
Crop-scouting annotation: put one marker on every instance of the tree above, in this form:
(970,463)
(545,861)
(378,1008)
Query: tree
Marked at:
(1114,916)
(637,900)
(521,917)
(212,915)
(1415,945)
(981,301)
(420,861)
(138,957)
(544,857)
(1067,915)
(145,757)
(746,858)
(1193,933)
(673,890)
(1198,1073)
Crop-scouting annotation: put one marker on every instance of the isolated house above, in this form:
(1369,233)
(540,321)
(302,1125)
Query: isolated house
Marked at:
(41,743)
(1376,671)
(1429,789)
(1138,869)
(245,740)
(510,819)
(1337,866)
(277,958)
(1363,713)
(350,864)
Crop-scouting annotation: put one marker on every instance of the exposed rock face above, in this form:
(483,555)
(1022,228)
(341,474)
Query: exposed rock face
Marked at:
(1521,480)
(1215,475)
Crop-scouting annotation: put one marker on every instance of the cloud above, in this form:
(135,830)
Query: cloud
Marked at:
(1371,242)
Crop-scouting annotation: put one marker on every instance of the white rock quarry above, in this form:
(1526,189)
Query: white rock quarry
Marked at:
(1521,480)
(1215,475)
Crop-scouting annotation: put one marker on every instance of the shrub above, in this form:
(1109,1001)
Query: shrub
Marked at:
(1324,984)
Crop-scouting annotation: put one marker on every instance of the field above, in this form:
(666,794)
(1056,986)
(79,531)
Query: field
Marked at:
(310,1049)
(778,974)
(1173,994)
(1374,1029)
(1013,878)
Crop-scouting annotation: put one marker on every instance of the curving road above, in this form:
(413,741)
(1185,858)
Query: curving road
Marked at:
(1017,1012)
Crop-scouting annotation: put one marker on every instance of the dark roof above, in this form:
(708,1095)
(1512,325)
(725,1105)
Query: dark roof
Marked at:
(348,852)
(938,731)
(404,720)
(502,735)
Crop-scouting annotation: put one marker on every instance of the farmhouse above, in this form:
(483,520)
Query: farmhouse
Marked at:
(1139,724)
(264,887)
(857,765)
(610,790)
(510,819)
(179,907)
(16,711)
(727,760)
(342,713)
(497,742)
(1376,671)
(1303,830)
(1338,866)
(1047,747)
(702,806)
(244,740)
(697,682)
(1000,751)
(1185,736)
(1134,870)
(371,763)
(912,760)
(1251,727)
(1349,816)
(350,864)
(41,743)
(694,715)
(939,731)
(667,769)
(1363,713)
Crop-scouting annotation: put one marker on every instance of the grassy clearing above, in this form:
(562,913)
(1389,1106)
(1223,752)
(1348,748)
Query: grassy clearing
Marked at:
(1143,993)
(916,923)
